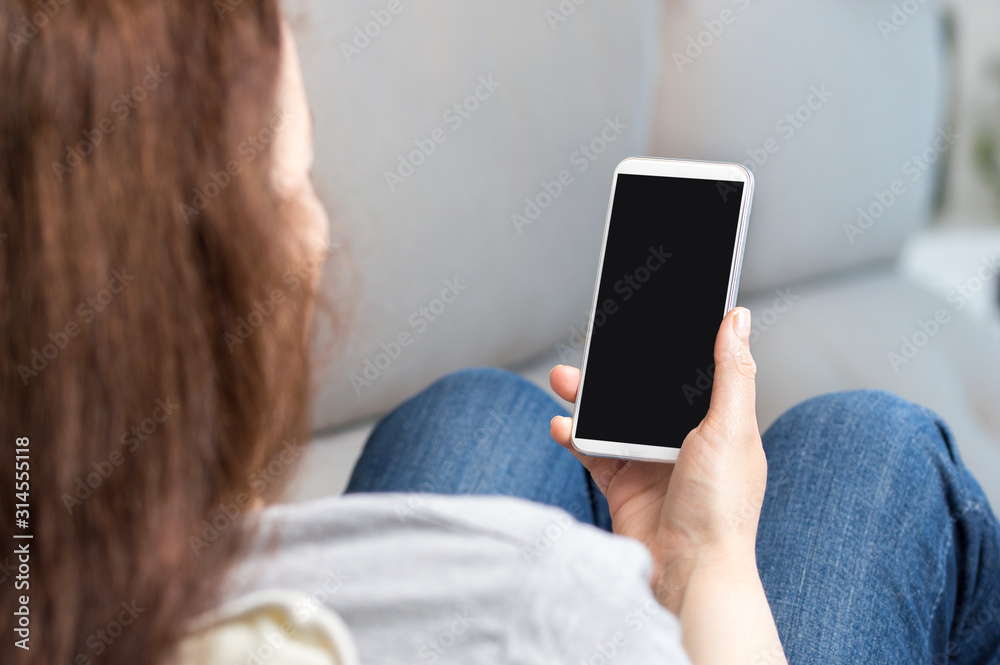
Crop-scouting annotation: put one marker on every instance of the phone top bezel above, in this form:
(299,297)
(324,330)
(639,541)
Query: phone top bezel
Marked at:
(669,168)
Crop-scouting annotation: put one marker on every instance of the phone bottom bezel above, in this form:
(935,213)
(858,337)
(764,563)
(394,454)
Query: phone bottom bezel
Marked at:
(632,451)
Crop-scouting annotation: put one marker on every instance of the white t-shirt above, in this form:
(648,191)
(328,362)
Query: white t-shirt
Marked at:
(409,578)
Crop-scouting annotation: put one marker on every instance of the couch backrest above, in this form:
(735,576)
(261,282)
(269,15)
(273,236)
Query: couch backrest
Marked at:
(836,106)
(466,148)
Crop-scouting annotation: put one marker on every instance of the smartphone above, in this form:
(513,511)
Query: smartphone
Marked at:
(669,272)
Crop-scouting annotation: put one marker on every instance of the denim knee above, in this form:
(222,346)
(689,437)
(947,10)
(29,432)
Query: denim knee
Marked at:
(476,378)
(865,411)
(470,392)
(861,430)
(869,515)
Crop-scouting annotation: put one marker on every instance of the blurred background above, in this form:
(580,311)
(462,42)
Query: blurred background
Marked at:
(466,150)
(972,192)
(965,220)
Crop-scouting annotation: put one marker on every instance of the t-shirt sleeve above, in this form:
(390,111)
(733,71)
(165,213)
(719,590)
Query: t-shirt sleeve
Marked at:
(264,627)
(586,594)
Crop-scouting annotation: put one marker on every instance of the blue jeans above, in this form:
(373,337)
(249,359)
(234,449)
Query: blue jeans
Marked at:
(875,545)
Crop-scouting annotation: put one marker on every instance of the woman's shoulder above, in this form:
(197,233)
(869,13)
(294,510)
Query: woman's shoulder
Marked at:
(268,626)
(501,522)
(480,573)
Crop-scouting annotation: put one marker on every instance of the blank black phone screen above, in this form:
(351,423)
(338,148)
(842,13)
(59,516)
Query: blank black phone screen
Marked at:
(661,298)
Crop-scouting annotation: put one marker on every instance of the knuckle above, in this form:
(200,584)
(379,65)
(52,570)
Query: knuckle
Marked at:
(745,365)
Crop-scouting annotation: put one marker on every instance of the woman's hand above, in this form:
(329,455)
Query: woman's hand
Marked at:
(698,517)
(702,512)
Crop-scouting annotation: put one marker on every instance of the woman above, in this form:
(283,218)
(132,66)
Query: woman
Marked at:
(161,235)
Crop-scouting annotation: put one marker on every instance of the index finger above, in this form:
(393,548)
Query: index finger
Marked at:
(564,381)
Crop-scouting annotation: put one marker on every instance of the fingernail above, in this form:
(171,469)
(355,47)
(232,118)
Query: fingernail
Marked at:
(742,324)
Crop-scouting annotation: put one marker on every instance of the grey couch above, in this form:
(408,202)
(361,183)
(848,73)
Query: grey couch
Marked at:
(465,151)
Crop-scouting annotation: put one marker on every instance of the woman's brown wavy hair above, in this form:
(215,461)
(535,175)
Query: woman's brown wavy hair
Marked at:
(144,358)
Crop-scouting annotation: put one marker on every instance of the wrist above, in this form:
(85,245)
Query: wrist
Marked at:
(725,616)
(726,566)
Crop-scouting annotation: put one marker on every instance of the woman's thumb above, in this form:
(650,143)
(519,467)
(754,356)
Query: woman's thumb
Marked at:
(734,388)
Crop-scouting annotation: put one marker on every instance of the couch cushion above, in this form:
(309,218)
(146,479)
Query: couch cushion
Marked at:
(809,340)
(466,150)
(880,330)
(829,103)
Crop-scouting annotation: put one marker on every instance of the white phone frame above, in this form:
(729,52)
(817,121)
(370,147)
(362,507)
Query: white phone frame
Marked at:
(668,168)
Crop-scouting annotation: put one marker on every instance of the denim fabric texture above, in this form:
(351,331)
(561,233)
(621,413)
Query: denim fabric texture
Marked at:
(875,545)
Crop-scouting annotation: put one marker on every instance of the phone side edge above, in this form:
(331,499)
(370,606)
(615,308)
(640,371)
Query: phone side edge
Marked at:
(743,226)
(593,310)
